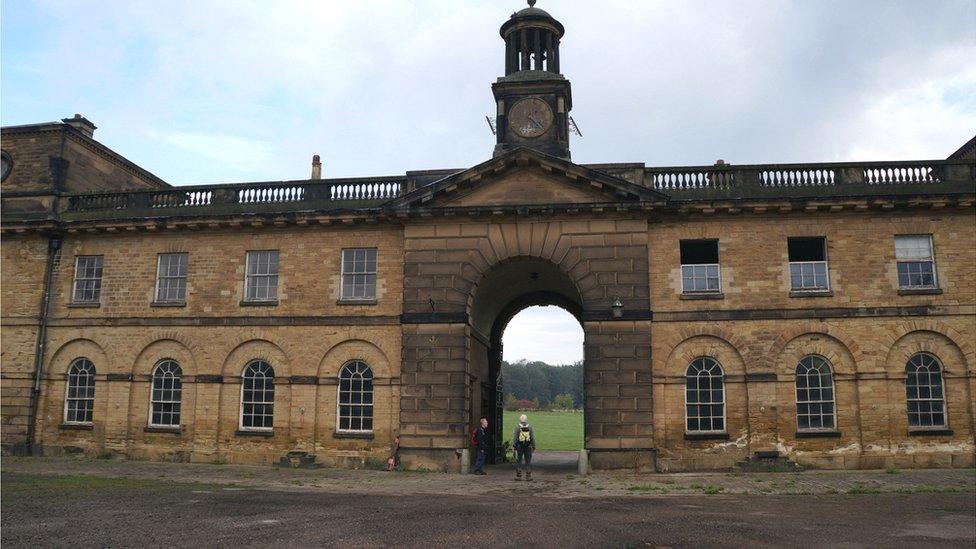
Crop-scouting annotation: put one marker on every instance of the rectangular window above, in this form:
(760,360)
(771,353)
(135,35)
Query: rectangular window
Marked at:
(359,274)
(171,277)
(916,262)
(808,264)
(699,267)
(261,278)
(88,279)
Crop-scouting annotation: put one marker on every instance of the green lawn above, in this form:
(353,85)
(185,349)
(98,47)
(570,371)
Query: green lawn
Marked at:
(554,430)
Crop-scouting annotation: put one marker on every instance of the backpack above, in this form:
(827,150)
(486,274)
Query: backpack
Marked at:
(474,436)
(525,435)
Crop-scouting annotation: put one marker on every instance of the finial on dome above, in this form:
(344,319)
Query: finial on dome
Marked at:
(531,3)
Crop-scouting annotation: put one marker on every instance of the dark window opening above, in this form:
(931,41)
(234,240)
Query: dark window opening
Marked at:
(699,252)
(807,248)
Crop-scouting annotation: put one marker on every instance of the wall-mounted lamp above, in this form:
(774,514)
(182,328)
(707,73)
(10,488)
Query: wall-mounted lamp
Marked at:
(617,307)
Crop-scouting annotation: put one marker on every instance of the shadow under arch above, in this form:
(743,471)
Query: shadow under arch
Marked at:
(509,288)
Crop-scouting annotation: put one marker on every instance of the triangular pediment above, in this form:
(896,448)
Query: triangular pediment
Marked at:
(524,177)
(526,186)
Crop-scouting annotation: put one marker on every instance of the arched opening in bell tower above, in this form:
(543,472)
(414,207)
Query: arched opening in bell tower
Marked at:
(505,291)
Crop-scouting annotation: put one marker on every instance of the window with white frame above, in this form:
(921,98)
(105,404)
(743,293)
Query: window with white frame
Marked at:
(926,399)
(704,396)
(355,398)
(814,394)
(808,264)
(88,279)
(171,277)
(79,402)
(359,274)
(916,261)
(257,396)
(700,267)
(167,388)
(261,278)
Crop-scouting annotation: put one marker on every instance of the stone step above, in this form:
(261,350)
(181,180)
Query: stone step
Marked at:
(768,461)
(299,460)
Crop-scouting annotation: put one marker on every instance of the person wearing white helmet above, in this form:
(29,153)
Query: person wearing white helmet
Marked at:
(523,439)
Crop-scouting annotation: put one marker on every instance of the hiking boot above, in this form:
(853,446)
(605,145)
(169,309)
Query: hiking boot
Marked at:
(518,475)
(528,476)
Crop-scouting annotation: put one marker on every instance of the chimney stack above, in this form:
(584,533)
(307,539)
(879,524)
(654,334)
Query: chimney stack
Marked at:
(316,167)
(81,124)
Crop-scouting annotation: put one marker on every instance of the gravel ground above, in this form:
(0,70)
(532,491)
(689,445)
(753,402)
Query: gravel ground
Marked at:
(84,511)
(85,503)
(557,480)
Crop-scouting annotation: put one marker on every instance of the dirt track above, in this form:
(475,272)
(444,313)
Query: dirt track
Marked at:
(49,502)
(156,513)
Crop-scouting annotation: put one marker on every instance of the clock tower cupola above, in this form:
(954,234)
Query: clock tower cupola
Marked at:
(533,99)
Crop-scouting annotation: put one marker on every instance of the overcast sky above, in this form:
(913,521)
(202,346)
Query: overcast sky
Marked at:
(210,92)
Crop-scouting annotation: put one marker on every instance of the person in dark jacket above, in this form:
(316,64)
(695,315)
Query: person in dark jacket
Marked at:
(481,438)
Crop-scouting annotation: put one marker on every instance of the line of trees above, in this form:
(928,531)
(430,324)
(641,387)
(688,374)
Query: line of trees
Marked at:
(540,386)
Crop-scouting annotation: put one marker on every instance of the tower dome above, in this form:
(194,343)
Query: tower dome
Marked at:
(531,41)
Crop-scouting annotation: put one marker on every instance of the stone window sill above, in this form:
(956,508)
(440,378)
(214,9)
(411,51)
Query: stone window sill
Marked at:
(169,430)
(254,433)
(168,304)
(816,293)
(818,434)
(363,436)
(703,295)
(304,380)
(706,436)
(761,376)
(270,303)
(81,305)
(208,378)
(920,291)
(357,302)
(930,432)
(76,427)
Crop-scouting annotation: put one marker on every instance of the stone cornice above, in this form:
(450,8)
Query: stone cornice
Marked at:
(118,222)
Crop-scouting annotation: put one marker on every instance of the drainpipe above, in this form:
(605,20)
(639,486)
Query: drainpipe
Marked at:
(53,250)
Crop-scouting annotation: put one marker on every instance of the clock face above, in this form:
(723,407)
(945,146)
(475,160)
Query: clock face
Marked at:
(530,117)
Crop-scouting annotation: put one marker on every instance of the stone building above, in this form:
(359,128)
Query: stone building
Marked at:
(823,312)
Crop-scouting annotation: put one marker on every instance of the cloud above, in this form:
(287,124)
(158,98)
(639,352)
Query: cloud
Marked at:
(387,86)
(908,119)
(234,154)
(549,334)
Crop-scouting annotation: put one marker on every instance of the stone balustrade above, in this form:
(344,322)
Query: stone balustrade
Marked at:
(681,184)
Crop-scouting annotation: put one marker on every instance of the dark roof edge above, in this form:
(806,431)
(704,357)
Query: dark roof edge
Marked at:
(969,147)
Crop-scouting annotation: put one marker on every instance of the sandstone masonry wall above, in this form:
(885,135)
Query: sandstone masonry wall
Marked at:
(867,330)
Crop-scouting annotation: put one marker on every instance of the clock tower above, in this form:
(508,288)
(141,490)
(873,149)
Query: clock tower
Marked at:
(533,99)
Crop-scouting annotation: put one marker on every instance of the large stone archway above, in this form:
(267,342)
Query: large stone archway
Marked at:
(460,292)
(505,291)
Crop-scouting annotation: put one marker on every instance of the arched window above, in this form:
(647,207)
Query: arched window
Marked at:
(926,400)
(167,389)
(355,397)
(814,394)
(705,396)
(79,401)
(257,396)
